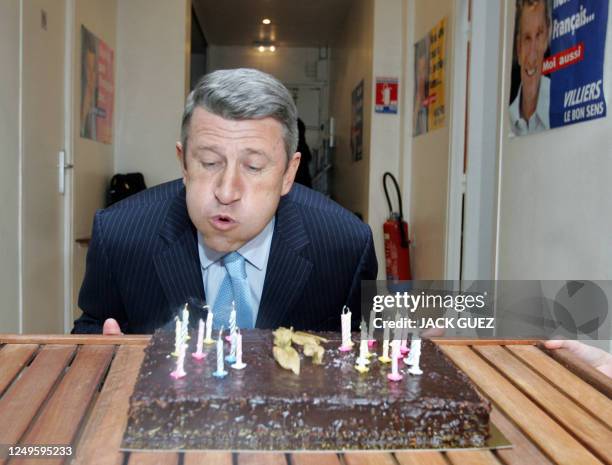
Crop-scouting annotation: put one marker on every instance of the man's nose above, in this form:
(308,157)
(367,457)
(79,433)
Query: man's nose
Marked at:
(228,188)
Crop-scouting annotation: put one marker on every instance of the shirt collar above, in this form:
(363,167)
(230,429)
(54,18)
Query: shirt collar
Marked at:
(540,116)
(255,251)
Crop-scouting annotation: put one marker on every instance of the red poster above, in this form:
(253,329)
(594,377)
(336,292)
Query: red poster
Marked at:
(386,95)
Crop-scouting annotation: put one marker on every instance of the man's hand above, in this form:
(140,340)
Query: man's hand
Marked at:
(111,328)
(597,358)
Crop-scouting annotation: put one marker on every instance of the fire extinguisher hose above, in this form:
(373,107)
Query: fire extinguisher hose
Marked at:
(400,219)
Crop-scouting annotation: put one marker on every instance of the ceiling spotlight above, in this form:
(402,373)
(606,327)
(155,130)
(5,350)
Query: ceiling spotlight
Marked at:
(261,48)
(272,48)
(266,21)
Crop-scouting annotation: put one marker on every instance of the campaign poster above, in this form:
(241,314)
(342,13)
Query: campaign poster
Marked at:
(357,122)
(558,59)
(97,88)
(429,65)
(386,95)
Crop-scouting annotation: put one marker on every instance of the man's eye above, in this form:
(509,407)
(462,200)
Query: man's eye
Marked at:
(254,168)
(208,164)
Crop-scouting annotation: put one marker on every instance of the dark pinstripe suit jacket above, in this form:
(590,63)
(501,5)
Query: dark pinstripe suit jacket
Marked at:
(143,263)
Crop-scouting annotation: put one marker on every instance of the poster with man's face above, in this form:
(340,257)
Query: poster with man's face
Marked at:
(97,88)
(557,69)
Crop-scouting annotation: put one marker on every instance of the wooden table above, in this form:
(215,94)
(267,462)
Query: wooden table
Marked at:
(75,389)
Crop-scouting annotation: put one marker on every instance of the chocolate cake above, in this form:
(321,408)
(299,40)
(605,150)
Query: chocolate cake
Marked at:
(326,407)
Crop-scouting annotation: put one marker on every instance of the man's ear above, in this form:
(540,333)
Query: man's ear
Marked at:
(290,172)
(180,156)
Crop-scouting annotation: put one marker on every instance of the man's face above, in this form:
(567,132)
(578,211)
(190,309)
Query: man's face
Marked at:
(234,173)
(532,43)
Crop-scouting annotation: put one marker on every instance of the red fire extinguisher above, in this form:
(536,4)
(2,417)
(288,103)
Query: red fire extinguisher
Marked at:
(397,252)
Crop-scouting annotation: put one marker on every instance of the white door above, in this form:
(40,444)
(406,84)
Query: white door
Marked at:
(42,138)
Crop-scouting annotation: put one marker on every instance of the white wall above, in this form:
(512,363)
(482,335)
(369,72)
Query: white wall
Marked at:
(430,154)
(291,65)
(153,71)
(93,161)
(385,148)
(555,203)
(9,174)
(351,61)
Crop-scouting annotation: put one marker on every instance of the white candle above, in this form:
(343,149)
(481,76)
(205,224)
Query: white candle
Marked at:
(345,324)
(384,358)
(220,373)
(198,354)
(185,324)
(232,323)
(178,332)
(395,355)
(179,372)
(209,327)
(362,360)
(415,353)
(239,365)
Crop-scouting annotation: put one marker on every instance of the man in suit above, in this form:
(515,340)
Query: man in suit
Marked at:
(235,229)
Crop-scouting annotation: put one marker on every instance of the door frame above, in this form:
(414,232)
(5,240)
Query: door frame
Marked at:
(67,220)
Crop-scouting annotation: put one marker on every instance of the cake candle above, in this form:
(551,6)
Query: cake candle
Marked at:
(220,373)
(185,327)
(209,326)
(231,358)
(395,356)
(179,372)
(384,358)
(364,348)
(232,323)
(239,365)
(178,332)
(198,354)
(362,360)
(415,353)
(371,340)
(345,324)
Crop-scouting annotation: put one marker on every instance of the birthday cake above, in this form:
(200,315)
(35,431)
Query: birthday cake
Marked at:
(328,406)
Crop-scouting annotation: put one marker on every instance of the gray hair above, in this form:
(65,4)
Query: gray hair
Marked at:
(520,6)
(241,94)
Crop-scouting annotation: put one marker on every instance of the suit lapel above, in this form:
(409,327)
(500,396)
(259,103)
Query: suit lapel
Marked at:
(178,265)
(287,271)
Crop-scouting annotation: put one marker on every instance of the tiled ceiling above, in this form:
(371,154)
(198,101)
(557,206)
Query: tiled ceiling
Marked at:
(295,23)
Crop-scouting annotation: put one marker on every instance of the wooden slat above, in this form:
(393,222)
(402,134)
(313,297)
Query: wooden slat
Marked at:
(60,417)
(102,436)
(482,342)
(203,458)
(580,391)
(583,370)
(522,451)
(420,458)
(26,395)
(153,458)
(12,360)
(472,457)
(557,443)
(141,340)
(304,458)
(261,458)
(576,420)
(368,458)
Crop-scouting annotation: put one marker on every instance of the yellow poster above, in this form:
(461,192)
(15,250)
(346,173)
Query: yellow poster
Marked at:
(436,74)
(430,55)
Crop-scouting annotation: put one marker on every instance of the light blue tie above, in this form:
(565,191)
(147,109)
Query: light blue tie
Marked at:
(235,286)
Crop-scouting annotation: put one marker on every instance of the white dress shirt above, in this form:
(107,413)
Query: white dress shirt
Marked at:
(540,120)
(255,252)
